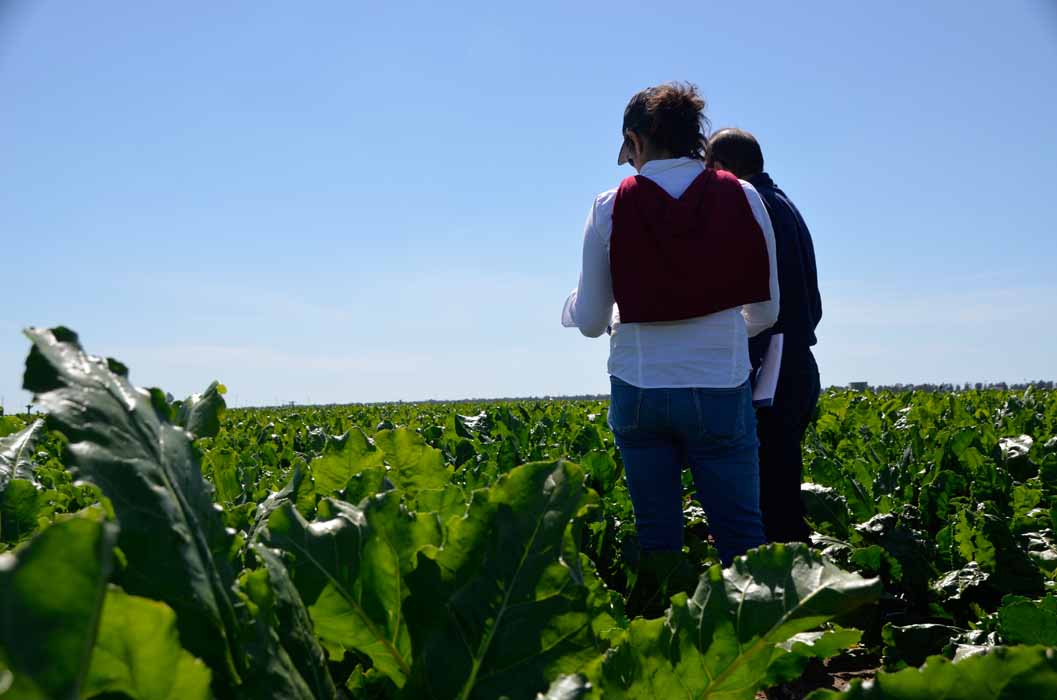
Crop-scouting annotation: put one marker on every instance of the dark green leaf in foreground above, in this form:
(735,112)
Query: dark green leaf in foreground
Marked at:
(497,612)
(274,673)
(295,627)
(826,509)
(285,496)
(721,642)
(911,549)
(19,494)
(16,454)
(912,644)
(1014,452)
(173,536)
(138,653)
(51,594)
(148,469)
(789,658)
(1004,673)
(20,505)
(351,570)
(660,575)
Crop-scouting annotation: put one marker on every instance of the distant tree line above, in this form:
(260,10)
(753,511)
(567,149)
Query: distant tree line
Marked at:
(500,399)
(948,387)
(854,386)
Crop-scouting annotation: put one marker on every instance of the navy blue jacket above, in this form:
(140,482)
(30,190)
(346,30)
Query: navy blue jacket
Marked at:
(800,304)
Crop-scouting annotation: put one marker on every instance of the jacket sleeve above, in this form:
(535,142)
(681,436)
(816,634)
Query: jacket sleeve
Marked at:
(810,272)
(762,315)
(590,306)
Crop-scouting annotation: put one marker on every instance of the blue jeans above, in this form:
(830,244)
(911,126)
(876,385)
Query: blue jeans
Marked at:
(713,431)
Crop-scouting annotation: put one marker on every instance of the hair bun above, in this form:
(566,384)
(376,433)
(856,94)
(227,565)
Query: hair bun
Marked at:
(671,116)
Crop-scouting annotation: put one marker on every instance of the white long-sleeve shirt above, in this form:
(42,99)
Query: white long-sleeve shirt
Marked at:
(707,351)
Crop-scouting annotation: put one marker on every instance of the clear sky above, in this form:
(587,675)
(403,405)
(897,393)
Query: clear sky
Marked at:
(343,201)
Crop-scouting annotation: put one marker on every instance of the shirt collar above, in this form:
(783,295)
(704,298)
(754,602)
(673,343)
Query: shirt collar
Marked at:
(656,167)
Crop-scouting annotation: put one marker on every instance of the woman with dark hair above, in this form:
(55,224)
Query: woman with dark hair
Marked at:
(686,253)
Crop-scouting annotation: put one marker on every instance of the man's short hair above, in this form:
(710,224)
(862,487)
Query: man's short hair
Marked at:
(739,150)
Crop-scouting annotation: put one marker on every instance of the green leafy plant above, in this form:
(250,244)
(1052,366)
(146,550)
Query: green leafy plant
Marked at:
(160,548)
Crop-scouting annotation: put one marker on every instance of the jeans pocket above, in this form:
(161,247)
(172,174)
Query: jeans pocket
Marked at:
(721,413)
(624,401)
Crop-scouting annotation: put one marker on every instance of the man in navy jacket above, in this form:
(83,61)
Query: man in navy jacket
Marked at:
(781,426)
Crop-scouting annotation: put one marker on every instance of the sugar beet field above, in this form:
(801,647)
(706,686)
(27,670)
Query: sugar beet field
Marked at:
(157,549)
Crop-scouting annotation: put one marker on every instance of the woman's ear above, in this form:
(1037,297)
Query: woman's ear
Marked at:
(637,150)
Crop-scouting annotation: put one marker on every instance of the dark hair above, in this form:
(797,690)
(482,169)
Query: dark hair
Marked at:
(739,150)
(671,118)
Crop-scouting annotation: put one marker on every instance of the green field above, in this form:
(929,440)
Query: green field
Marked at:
(174,549)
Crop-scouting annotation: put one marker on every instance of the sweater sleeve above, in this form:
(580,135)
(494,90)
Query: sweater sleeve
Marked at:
(762,315)
(590,306)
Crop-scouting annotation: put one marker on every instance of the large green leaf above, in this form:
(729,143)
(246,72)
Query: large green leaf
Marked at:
(1004,673)
(200,414)
(51,593)
(343,457)
(601,470)
(986,539)
(10,425)
(1023,621)
(447,503)
(938,500)
(498,611)
(721,642)
(149,471)
(222,465)
(414,465)
(1014,452)
(351,570)
(173,536)
(138,653)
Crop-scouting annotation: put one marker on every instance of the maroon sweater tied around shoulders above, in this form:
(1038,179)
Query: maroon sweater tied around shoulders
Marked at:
(673,259)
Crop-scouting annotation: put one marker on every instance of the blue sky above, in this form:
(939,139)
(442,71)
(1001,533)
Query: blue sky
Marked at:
(338,201)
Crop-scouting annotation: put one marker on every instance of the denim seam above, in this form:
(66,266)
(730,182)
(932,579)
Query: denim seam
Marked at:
(638,408)
(700,414)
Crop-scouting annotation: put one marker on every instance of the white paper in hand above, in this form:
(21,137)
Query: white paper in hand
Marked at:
(767,376)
